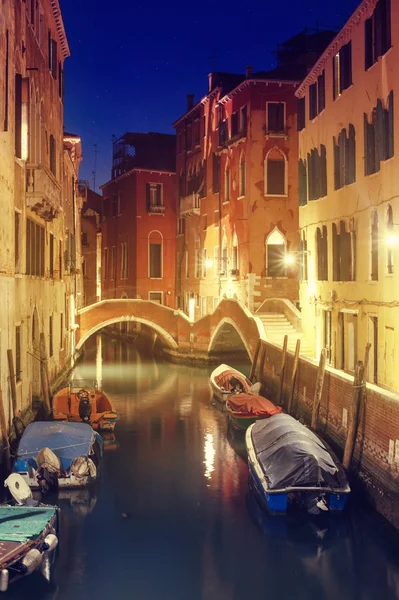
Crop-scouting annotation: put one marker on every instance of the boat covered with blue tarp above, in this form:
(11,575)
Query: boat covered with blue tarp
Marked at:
(67,451)
(287,460)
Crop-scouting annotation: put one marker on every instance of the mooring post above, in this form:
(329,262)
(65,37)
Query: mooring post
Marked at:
(282,369)
(4,435)
(293,376)
(44,373)
(354,414)
(255,360)
(319,389)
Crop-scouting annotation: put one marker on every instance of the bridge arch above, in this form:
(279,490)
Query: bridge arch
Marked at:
(163,334)
(218,329)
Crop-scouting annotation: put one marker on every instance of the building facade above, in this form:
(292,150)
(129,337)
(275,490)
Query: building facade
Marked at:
(38,167)
(349,194)
(237,172)
(139,220)
(91,244)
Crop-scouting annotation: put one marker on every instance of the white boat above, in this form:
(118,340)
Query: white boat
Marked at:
(226,381)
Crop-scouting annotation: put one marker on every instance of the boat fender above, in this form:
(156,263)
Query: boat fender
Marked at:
(255,388)
(4,576)
(80,467)
(46,459)
(50,542)
(31,561)
(92,468)
(18,487)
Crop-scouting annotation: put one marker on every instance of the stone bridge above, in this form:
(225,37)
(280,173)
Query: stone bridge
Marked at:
(229,329)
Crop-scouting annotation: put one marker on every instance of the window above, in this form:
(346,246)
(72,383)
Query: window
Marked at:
(181,226)
(197,265)
(242,178)
(18,353)
(225,257)
(84,239)
(390,240)
(50,335)
(244,121)
(61,330)
(197,133)
(342,70)
(322,253)
(227,181)
(155,255)
(275,173)
(275,254)
(317,96)
(52,56)
(105,264)
(215,173)
(374,246)
(302,182)
(53,158)
(18,115)
(154,194)
(124,261)
(17,221)
(61,84)
(317,173)
(204,126)
(312,101)
(216,266)
(377,33)
(344,253)
(234,124)
(300,114)
(303,253)
(113,262)
(34,249)
(51,258)
(378,136)
(223,132)
(204,262)
(345,158)
(275,117)
(156,297)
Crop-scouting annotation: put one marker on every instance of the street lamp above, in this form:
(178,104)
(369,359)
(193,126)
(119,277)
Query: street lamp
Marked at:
(292,257)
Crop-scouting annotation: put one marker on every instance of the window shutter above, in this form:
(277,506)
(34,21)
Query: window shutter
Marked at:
(159,198)
(18,115)
(323,171)
(300,114)
(336,164)
(334,78)
(148,194)
(351,155)
(312,101)
(321,93)
(390,127)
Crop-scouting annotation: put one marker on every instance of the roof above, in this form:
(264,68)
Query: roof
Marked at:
(150,151)
(55,6)
(23,523)
(66,440)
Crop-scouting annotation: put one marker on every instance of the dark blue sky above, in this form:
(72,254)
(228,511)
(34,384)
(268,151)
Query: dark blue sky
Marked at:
(133,62)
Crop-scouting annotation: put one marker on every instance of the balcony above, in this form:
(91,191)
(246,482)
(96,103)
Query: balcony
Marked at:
(43,192)
(156,209)
(190,205)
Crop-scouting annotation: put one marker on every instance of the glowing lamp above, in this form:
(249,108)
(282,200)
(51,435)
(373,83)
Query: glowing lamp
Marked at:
(392,240)
(289,259)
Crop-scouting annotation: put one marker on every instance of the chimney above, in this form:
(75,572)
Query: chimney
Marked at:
(190,101)
(248,72)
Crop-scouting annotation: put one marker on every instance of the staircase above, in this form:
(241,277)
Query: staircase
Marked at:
(277,326)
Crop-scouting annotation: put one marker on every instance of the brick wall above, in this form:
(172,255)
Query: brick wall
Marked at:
(376,458)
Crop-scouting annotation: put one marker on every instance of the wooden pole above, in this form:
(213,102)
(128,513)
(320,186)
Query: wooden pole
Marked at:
(4,434)
(355,410)
(319,389)
(293,376)
(282,368)
(13,385)
(255,360)
(44,373)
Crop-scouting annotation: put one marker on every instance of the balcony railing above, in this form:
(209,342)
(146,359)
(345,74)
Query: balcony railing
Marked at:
(190,205)
(43,192)
(156,209)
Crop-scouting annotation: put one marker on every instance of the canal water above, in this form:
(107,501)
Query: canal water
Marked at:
(172,518)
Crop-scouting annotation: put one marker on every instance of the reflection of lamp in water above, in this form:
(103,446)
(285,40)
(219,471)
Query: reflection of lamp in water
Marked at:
(209,451)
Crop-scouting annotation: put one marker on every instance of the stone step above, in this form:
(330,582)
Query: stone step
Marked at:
(277,326)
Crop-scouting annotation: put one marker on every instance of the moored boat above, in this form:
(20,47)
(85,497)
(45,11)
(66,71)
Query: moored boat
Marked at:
(28,534)
(246,409)
(55,455)
(226,381)
(84,402)
(287,461)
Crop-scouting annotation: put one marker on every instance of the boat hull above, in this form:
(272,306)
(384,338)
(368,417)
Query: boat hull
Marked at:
(103,417)
(223,395)
(242,423)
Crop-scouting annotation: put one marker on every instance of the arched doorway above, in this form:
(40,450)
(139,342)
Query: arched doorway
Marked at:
(35,357)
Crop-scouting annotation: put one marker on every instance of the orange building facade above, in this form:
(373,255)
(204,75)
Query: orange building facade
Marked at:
(349,194)
(237,174)
(139,220)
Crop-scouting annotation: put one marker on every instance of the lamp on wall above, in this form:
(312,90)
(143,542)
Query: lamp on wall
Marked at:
(292,257)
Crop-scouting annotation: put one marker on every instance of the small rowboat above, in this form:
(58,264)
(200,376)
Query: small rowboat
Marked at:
(85,403)
(55,455)
(245,409)
(226,380)
(28,534)
(288,463)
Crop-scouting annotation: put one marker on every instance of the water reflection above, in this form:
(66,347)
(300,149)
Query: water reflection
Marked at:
(173,519)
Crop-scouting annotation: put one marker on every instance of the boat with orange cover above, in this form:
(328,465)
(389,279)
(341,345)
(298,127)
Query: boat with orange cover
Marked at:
(86,403)
(245,409)
(226,381)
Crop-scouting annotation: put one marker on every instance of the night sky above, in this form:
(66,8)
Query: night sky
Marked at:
(132,62)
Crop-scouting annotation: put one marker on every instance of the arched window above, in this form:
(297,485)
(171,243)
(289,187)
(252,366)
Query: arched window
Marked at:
(227,184)
(321,251)
(374,246)
(242,177)
(390,239)
(234,257)
(275,254)
(275,173)
(155,258)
